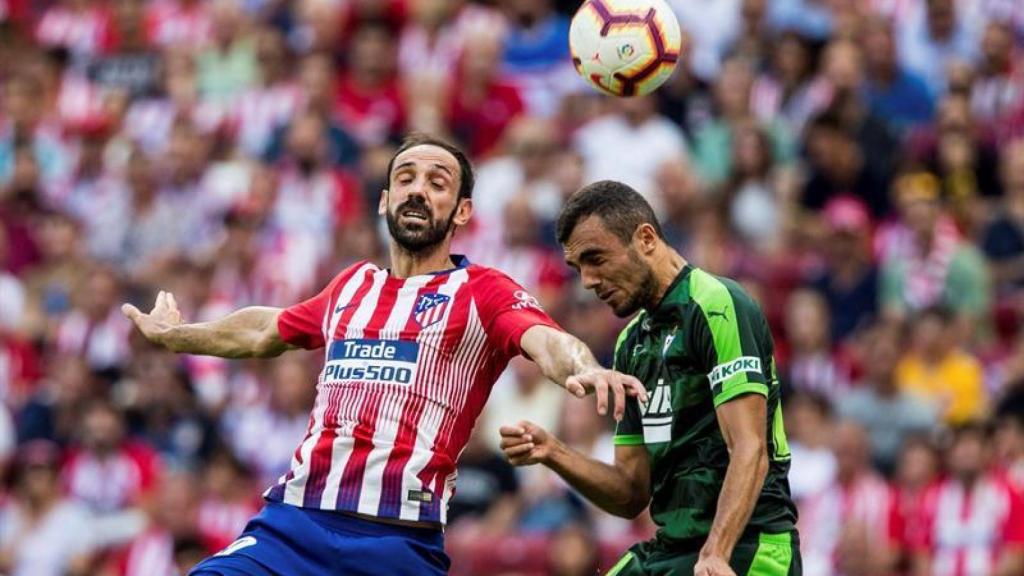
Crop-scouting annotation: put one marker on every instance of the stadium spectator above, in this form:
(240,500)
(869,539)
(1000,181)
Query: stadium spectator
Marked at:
(686,99)
(848,278)
(934,36)
(523,168)
(712,30)
(630,145)
(787,88)
(573,552)
(893,92)
(522,390)
(284,413)
(926,263)
(838,167)
(809,426)
(227,66)
(972,519)
(889,415)
(937,368)
(482,103)
(536,54)
(165,413)
(843,528)
(755,212)
(713,144)
(173,521)
(1003,239)
(41,532)
(918,470)
(51,412)
(228,501)
(94,327)
(998,89)
(815,365)
(487,502)
(1009,437)
(50,282)
(110,474)
(369,100)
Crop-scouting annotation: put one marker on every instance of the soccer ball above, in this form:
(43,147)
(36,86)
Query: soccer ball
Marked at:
(625,47)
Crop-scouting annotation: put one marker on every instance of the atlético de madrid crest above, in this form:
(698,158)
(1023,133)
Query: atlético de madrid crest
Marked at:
(430,308)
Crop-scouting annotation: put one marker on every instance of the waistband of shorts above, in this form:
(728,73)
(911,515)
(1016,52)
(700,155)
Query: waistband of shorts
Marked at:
(348,522)
(749,536)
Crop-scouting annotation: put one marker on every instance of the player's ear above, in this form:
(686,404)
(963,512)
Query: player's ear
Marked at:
(463,212)
(382,206)
(645,238)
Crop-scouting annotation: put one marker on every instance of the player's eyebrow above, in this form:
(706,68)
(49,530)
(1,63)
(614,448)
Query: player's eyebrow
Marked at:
(411,164)
(589,254)
(403,165)
(445,168)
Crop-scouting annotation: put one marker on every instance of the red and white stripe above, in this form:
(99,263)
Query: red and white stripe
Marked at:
(969,528)
(388,449)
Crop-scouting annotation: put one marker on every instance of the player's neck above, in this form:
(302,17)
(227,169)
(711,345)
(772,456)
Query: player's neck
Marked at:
(667,266)
(405,264)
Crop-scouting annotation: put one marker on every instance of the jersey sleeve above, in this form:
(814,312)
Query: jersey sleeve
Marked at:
(728,339)
(302,324)
(629,431)
(507,311)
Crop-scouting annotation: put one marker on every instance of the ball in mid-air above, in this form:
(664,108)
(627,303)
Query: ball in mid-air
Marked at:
(625,47)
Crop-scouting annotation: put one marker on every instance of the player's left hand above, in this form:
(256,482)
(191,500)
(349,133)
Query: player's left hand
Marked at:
(600,381)
(712,566)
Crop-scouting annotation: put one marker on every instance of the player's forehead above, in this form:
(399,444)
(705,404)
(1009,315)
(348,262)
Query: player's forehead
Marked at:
(591,236)
(426,157)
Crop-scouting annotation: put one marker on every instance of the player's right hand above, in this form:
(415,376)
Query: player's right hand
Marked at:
(164,315)
(601,382)
(526,443)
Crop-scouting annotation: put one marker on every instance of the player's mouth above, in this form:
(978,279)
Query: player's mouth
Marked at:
(416,215)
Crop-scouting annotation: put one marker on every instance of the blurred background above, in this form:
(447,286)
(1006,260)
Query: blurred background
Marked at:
(858,165)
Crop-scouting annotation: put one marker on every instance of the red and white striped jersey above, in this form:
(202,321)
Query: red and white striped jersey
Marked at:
(968,529)
(408,366)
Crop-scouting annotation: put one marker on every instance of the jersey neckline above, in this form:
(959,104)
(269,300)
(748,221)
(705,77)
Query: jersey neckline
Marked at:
(664,305)
(460,261)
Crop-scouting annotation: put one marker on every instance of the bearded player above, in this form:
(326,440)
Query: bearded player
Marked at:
(708,452)
(411,353)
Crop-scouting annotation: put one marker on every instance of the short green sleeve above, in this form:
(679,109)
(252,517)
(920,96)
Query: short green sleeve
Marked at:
(730,338)
(630,431)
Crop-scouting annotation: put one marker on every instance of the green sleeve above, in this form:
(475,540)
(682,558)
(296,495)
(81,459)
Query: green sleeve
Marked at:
(629,431)
(730,338)
(967,284)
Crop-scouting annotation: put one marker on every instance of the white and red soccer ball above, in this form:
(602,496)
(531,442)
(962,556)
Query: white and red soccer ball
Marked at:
(625,47)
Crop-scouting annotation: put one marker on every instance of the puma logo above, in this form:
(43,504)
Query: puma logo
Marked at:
(722,313)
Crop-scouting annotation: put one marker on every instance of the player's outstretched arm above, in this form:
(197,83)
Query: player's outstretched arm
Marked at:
(622,488)
(247,333)
(568,362)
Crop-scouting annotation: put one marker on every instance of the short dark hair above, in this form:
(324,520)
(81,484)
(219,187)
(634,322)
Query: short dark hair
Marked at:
(466,178)
(621,208)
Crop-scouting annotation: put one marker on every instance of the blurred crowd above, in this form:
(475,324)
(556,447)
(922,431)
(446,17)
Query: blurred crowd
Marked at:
(857,164)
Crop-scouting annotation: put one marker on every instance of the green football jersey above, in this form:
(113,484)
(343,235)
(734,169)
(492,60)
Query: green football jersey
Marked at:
(706,343)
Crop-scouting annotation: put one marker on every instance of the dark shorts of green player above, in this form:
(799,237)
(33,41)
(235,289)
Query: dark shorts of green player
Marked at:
(758,555)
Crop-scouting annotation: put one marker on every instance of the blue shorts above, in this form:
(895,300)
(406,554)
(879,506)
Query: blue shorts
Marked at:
(287,540)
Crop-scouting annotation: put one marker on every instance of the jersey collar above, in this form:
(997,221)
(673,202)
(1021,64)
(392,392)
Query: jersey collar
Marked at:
(668,307)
